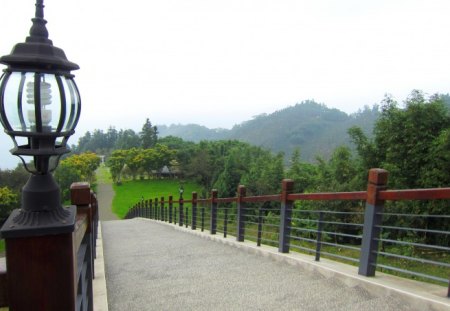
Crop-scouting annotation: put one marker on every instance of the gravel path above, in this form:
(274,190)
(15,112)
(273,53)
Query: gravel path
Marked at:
(105,195)
(152,266)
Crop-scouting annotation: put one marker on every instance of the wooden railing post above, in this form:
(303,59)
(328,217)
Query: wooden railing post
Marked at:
(372,220)
(213,211)
(170,209)
(186,214)
(150,208)
(80,195)
(180,212)
(95,215)
(41,260)
(285,216)
(194,211)
(162,208)
(157,216)
(240,206)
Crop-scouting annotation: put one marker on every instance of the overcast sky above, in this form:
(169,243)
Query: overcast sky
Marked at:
(218,63)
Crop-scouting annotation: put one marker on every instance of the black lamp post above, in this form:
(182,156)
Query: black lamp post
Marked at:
(39,109)
(181,190)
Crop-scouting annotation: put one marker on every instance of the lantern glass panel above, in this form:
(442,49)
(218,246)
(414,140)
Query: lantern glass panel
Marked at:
(72,103)
(15,101)
(50,102)
(20,105)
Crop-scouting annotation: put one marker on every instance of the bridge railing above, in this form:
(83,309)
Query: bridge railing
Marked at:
(53,270)
(363,228)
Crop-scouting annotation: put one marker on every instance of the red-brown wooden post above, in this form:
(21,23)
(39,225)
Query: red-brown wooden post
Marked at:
(41,260)
(372,220)
(213,223)
(150,209)
(170,209)
(240,206)
(285,216)
(194,211)
(180,211)
(95,219)
(80,195)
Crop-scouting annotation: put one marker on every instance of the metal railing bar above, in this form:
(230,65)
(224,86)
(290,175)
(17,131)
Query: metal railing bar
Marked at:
(327,232)
(414,244)
(304,219)
(414,229)
(297,238)
(421,260)
(413,215)
(343,234)
(342,223)
(326,212)
(304,229)
(427,276)
(342,246)
(340,256)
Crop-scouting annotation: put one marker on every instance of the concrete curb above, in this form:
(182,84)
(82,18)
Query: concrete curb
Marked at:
(423,296)
(99,283)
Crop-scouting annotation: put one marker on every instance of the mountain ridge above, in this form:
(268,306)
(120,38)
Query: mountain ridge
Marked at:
(310,126)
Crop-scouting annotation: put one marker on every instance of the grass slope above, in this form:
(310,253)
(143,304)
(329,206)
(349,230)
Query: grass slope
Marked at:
(131,192)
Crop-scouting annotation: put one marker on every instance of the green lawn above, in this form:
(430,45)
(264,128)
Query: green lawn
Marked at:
(131,192)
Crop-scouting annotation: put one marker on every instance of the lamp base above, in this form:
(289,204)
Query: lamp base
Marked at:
(41,193)
(41,211)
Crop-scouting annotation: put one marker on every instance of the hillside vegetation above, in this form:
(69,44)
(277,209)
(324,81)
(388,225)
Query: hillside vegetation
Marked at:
(312,127)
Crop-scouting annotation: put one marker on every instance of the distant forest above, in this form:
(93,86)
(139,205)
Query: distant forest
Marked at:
(314,128)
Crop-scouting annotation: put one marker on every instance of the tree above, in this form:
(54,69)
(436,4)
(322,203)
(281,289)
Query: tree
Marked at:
(404,138)
(116,163)
(407,141)
(163,155)
(134,161)
(149,161)
(413,144)
(148,135)
(65,175)
(304,174)
(14,179)
(200,168)
(127,139)
(8,202)
(78,167)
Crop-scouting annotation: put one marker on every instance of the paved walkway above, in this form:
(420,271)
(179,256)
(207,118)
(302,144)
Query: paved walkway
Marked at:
(105,195)
(154,266)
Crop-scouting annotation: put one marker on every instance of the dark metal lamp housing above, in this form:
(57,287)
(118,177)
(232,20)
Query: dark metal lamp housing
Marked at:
(39,109)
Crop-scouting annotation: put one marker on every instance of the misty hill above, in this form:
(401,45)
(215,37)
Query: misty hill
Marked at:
(192,132)
(312,127)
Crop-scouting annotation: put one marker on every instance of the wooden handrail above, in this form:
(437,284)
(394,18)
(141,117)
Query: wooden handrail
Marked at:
(416,194)
(80,230)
